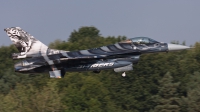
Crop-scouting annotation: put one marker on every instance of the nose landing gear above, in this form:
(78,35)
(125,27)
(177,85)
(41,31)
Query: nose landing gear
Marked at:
(124,74)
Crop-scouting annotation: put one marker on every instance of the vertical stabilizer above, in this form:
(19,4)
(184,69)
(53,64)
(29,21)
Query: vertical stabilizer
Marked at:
(26,44)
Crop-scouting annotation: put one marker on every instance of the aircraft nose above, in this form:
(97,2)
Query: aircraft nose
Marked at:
(175,47)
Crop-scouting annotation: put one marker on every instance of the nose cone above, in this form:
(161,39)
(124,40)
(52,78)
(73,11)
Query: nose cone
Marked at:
(175,47)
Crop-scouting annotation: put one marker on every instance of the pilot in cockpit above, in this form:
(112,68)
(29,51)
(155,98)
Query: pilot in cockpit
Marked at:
(140,40)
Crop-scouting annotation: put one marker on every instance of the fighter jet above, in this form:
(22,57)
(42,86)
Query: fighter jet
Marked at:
(121,56)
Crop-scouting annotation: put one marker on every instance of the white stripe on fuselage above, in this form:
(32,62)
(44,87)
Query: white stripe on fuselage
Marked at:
(65,54)
(85,52)
(119,47)
(105,49)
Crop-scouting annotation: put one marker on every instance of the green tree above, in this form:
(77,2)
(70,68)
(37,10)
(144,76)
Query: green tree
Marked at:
(86,93)
(26,98)
(8,81)
(47,99)
(192,101)
(167,99)
(17,100)
(7,103)
(85,38)
(83,32)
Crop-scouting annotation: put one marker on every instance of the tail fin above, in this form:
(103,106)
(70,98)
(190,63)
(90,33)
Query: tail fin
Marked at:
(26,44)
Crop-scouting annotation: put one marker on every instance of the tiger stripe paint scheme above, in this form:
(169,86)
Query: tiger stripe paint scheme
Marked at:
(119,56)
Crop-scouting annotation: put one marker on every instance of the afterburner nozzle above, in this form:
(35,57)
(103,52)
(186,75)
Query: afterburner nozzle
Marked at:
(176,47)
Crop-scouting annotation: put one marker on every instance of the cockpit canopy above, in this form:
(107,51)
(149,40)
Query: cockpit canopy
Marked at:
(140,40)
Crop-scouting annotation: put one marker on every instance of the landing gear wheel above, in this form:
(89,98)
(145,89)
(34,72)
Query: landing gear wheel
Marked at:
(124,74)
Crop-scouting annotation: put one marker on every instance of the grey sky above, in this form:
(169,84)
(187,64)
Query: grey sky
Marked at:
(162,20)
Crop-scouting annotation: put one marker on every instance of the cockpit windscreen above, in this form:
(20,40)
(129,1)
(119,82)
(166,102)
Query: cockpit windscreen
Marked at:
(140,40)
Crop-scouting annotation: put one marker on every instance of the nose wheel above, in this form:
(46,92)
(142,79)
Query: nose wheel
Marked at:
(124,74)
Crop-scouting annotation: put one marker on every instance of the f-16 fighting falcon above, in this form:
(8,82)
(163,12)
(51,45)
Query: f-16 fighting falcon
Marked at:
(120,56)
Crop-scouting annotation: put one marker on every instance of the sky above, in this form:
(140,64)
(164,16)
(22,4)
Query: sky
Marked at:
(162,20)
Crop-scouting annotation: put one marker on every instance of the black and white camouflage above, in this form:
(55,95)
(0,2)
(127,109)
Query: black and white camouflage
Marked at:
(27,45)
(120,56)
